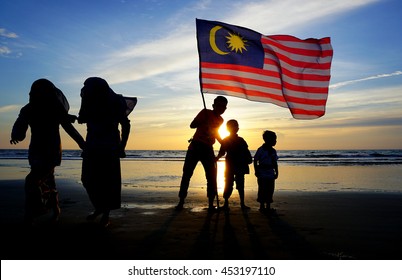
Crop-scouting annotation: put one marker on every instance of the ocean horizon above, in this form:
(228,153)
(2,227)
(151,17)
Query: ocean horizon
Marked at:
(288,157)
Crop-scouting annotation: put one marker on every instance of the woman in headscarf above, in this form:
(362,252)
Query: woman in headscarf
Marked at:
(103,111)
(46,111)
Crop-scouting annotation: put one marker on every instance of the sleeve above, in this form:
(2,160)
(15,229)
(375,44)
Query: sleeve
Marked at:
(247,153)
(125,124)
(257,155)
(20,126)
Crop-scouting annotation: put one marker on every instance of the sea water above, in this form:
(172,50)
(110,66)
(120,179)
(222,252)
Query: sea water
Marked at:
(299,170)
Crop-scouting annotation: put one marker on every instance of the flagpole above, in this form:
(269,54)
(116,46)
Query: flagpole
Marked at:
(203,100)
(205,106)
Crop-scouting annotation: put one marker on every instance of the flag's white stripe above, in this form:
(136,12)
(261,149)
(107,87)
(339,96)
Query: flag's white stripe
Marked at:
(305,116)
(306,107)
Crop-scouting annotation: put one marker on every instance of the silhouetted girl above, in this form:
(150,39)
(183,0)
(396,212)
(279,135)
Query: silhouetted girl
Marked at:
(103,110)
(46,111)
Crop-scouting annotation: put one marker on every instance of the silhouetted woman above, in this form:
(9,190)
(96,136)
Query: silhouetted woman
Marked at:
(46,111)
(103,110)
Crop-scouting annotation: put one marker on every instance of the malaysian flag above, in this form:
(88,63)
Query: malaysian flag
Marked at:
(278,69)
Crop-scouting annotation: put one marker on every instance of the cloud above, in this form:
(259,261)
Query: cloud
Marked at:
(176,52)
(279,16)
(167,55)
(380,76)
(6,34)
(9,108)
(4,50)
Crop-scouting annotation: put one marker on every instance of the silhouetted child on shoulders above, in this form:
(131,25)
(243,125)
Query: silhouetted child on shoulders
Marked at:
(238,157)
(266,170)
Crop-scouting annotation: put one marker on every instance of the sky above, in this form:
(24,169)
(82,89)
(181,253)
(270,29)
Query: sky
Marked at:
(148,49)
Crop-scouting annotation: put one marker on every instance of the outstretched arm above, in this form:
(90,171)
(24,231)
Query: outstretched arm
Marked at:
(70,129)
(125,132)
(20,127)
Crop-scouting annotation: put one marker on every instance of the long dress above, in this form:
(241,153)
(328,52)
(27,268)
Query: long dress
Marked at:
(103,111)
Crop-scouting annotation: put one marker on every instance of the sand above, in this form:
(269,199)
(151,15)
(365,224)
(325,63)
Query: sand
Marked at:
(306,226)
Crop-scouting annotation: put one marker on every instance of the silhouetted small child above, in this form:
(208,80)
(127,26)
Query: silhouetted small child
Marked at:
(238,157)
(266,170)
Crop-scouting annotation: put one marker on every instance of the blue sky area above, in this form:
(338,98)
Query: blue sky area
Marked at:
(148,49)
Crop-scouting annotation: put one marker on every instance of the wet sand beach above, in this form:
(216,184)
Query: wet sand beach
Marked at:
(306,226)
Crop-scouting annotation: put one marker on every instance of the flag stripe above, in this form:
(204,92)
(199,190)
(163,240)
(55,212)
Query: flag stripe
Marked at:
(293,73)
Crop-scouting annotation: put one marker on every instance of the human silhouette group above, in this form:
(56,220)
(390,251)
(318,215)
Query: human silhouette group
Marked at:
(105,114)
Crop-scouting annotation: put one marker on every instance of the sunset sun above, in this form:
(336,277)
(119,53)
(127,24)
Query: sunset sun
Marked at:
(223,131)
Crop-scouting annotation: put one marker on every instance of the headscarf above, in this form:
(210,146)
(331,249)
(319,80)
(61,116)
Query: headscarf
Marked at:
(45,97)
(99,102)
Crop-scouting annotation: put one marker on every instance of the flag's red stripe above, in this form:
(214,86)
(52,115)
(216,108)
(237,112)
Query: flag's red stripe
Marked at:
(297,111)
(240,68)
(298,100)
(288,38)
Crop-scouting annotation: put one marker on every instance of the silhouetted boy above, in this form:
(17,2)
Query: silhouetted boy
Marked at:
(207,123)
(266,170)
(238,157)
